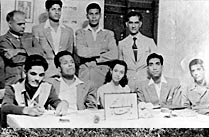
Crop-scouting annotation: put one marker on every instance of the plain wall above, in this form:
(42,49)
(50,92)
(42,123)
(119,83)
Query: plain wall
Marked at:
(183,34)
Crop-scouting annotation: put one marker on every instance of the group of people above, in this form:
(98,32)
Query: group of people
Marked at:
(46,69)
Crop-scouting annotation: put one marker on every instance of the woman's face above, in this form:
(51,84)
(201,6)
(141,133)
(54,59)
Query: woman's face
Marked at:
(118,72)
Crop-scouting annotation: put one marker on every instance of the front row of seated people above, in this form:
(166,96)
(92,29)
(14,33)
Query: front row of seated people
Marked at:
(31,95)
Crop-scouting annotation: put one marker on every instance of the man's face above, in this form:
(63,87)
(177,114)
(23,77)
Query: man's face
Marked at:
(67,66)
(134,24)
(35,75)
(93,16)
(198,73)
(155,68)
(118,72)
(17,26)
(55,12)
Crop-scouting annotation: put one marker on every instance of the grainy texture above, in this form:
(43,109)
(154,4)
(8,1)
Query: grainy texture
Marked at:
(107,132)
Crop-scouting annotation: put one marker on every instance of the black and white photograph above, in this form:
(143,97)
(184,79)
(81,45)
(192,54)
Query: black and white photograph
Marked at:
(104,68)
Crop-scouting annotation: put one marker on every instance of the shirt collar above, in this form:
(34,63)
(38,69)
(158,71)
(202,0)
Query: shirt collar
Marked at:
(90,28)
(136,36)
(194,85)
(163,80)
(47,25)
(16,36)
(22,86)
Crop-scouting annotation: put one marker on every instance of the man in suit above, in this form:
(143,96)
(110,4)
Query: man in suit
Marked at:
(135,48)
(80,95)
(197,94)
(158,90)
(15,46)
(95,46)
(52,35)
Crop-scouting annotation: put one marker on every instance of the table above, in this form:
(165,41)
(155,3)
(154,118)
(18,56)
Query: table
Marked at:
(85,119)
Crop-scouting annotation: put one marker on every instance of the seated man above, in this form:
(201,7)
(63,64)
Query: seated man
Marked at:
(30,95)
(158,90)
(69,87)
(197,94)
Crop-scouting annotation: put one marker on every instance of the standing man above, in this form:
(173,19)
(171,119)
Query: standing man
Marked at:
(95,46)
(80,95)
(158,90)
(31,95)
(135,48)
(197,95)
(52,35)
(15,46)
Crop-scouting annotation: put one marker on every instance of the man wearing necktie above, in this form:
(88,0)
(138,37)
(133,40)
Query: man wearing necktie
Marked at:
(135,48)
(15,46)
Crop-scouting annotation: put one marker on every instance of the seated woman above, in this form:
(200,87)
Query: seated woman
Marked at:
(115,82)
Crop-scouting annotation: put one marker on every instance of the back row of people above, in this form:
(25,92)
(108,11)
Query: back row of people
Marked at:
(93,49)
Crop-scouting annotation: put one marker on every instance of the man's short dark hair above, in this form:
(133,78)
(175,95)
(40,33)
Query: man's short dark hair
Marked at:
(59,55)
(155,55)
(50,3)
(195,62)
(10,15)
(93,6)
(133,13)
(35,60)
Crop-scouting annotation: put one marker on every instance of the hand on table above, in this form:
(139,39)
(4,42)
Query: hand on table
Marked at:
(62,108)
(33,111)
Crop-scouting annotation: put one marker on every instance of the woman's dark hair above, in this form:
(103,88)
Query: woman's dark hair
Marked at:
(35,60)
(124,81)
(50,3)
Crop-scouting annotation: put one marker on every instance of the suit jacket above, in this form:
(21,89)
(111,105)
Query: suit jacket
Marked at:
(170,93)
(196,96)
(43,34)
(14,66)
(86,93)
(136,69)
(102,49)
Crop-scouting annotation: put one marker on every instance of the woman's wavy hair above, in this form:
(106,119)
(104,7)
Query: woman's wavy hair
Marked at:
(124,81)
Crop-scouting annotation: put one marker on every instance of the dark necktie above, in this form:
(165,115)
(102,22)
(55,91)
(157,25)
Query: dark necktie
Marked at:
(134,47)
(20,40)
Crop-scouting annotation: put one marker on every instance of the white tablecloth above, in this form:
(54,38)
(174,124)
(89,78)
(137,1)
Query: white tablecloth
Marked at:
(86,119)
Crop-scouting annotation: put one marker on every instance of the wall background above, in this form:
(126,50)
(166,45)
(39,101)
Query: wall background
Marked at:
(183,33)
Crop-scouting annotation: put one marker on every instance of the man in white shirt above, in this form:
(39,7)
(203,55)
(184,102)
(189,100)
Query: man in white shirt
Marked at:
(52,35)
(80,95)
(158,90)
